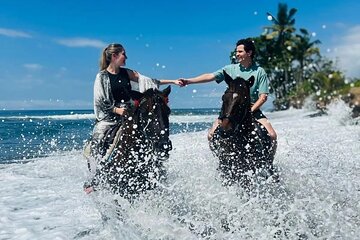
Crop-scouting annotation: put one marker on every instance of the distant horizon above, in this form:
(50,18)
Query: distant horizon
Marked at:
(209,108)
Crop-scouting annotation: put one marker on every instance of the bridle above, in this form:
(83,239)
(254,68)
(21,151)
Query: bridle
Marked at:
(149,105)
(236,122)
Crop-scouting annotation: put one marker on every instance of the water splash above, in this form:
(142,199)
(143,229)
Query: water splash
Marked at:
(317,197)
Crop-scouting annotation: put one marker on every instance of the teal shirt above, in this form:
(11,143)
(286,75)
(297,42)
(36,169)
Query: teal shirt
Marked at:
(261,83)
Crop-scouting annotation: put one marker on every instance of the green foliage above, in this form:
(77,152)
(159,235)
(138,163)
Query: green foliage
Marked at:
(294,64)
(232,57)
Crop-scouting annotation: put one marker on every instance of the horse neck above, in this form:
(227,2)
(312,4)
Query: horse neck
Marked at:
(130,121)
(246,126)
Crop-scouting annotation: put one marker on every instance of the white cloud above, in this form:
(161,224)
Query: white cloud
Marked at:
(61,72)
(33,66)
(81,42)
(14,33)
(348,52)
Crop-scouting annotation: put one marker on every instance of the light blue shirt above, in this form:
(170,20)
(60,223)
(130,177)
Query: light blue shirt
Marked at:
(261,83)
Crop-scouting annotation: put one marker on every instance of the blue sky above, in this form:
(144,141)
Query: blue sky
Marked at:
(49,50)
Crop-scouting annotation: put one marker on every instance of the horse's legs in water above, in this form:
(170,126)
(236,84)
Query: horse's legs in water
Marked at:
(212,129)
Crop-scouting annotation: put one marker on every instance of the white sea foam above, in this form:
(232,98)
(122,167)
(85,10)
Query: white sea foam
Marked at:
(192,118)
(53,117)
(317,198)
(173,118)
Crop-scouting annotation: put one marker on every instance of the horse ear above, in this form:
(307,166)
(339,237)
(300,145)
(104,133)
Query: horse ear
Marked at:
(250,81)
(167,91)
(228,79)
(149,92)
(136,95)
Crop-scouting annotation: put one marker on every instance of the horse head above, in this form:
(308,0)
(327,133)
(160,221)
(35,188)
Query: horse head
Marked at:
(154,116)
(236,102)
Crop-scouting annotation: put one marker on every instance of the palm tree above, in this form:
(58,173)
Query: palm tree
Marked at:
(292,60)
(303,50)
(283,25)
(279,36)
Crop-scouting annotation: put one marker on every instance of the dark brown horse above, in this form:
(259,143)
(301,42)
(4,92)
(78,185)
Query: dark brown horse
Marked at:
(242,144)
(134,161)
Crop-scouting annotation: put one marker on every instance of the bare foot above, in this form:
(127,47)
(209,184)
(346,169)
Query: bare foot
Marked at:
(88,190)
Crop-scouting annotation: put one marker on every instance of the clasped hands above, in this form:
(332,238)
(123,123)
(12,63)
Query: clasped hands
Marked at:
(181,82)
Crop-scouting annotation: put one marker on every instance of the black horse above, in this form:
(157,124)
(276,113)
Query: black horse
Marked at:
(134,160)
(241,143)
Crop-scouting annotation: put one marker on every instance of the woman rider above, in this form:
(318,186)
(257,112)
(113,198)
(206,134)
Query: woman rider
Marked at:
(112,95)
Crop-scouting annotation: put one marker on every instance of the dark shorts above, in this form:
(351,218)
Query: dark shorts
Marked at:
(258,114)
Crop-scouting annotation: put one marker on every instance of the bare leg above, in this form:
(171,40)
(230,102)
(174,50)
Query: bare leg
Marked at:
(212,129)
(265,122)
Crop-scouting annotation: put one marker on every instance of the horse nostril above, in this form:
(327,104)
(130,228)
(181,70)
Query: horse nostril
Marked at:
(225,125)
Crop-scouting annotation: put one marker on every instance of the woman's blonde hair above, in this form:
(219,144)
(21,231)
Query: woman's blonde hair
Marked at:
(105,59)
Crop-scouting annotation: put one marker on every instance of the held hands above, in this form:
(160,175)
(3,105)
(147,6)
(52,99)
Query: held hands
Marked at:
(182,82)
(178,83)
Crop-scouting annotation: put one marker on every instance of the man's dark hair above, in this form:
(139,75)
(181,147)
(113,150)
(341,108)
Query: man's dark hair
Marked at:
(248,45)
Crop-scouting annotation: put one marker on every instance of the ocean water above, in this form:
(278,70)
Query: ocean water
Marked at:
(42,171)
(38,133)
